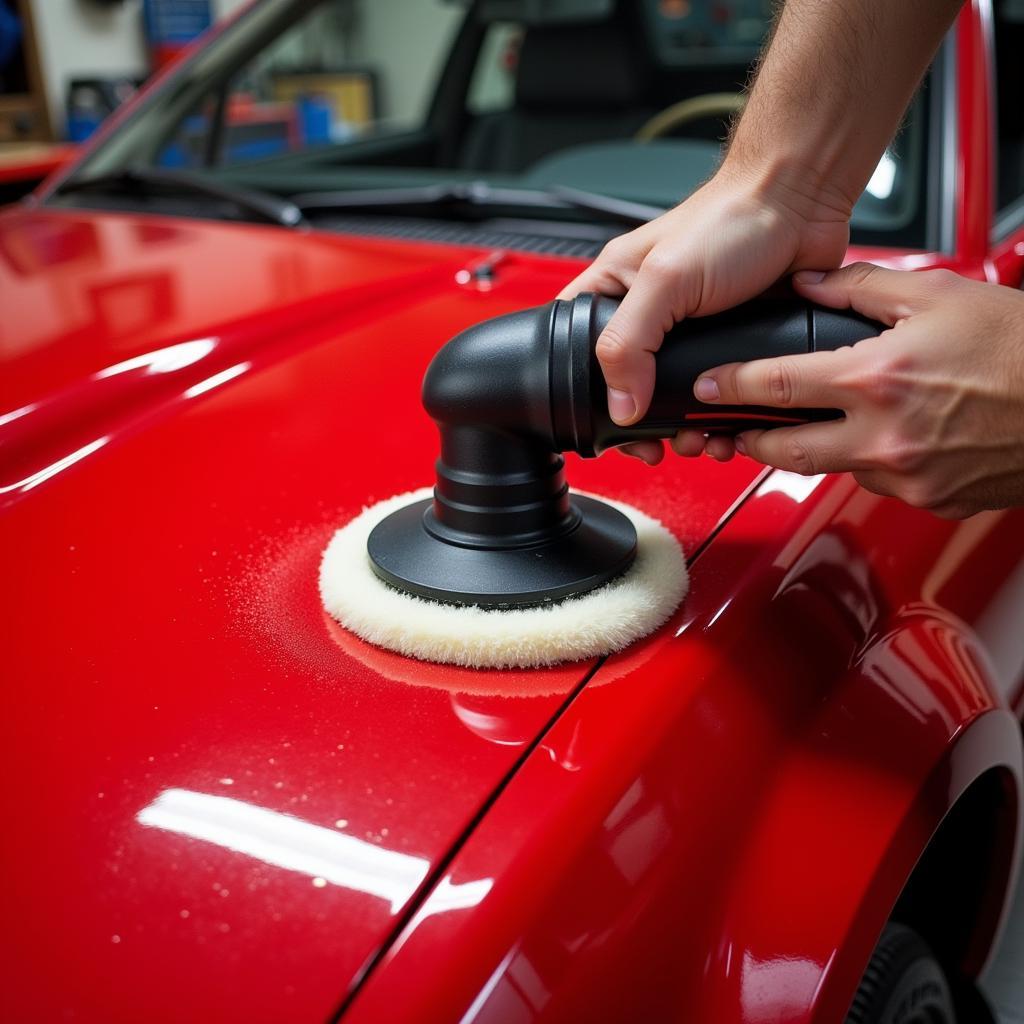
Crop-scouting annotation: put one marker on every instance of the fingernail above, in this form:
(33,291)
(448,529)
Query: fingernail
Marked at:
(706,389)
(809,276)
(621,406)
(740,445)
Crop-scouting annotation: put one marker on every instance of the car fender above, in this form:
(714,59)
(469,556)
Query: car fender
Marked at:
(720,821)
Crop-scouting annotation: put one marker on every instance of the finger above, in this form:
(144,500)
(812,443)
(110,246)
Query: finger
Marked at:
(689,443)
(805,381)
(885,295)
(614,270)
(720,448)
(601,278)
(651,452)
(627,345)
(808,449)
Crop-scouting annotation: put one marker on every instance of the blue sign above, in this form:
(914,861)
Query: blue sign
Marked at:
(176,22)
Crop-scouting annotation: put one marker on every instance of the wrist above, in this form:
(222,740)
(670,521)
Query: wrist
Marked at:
(812,214)
(802,192)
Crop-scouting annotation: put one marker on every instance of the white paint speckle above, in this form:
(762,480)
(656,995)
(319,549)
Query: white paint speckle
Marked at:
(227,782)
(115,939)
(319,882)
(184,915)
(340,823)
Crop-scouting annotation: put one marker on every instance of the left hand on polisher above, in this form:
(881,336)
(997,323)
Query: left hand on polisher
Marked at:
(934,407)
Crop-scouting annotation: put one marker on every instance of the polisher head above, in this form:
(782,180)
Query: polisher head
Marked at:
(608,618)
(413,551)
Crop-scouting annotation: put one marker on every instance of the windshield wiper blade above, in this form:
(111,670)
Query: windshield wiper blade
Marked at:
(621,209)
(263,205)
(476,194)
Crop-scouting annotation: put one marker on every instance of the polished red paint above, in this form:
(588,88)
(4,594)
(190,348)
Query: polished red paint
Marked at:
(718,826)
(976,127)
(224,807)
(166,635)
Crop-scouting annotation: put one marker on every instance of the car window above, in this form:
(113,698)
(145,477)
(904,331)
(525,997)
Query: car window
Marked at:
(492,87)
(332,76)
(1008,31)
(315,96)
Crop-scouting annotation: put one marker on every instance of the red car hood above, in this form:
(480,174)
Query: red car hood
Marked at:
(217,803)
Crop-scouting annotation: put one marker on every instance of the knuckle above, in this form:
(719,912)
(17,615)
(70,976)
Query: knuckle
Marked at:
(660,266)
(612,349)
(730,384)
(899,454)
(884,379)
(940,279)
(800,458)
(614,251)
(861,272)
(782,381)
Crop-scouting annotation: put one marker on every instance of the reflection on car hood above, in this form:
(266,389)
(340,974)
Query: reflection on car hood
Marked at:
(221,800)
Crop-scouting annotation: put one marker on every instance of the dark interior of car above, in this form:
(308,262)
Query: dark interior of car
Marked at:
(1009,40)
(622,98)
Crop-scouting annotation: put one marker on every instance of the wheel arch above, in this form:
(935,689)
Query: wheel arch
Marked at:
(948,869)
(956,895)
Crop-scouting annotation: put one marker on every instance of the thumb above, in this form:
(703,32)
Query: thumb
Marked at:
(627,345)
(885,295)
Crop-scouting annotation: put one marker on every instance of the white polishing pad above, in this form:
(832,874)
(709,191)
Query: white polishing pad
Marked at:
(605,620)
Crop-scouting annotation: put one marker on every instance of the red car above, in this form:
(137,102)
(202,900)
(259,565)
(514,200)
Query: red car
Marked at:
(218,805)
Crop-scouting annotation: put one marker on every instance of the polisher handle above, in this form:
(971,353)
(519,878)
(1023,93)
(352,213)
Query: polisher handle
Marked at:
(759,329)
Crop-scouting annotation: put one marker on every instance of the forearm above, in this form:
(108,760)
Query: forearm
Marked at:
(830,93)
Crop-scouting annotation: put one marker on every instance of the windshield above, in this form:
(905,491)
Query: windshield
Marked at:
(304,99)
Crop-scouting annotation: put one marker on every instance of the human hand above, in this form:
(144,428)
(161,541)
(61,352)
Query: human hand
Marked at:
(934,407)
(728,242)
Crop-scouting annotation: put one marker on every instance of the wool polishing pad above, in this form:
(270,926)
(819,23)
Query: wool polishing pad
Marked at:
(602,621)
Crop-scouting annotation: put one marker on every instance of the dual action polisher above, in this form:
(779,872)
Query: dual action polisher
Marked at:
(502,565)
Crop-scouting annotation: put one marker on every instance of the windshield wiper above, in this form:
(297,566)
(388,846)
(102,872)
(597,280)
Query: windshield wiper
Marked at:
(477,194)
(621,209)
(263,205)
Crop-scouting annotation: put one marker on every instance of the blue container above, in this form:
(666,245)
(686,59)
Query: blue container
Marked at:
(316,115)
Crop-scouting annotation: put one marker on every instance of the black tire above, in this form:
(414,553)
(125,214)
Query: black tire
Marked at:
(903,984)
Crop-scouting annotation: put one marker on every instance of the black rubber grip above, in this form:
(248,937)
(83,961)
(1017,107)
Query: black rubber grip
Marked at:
(759,329)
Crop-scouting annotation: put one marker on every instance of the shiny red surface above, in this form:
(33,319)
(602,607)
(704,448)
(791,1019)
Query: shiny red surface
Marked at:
(165,633)
(975,131)
(718,826)
(221,806)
